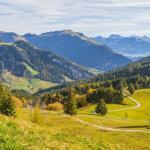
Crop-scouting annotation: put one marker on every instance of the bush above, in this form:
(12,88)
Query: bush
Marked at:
(17,102)
(55,106)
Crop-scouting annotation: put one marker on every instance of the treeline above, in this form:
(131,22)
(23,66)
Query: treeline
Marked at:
(139,71)
(85,92)
(92,92)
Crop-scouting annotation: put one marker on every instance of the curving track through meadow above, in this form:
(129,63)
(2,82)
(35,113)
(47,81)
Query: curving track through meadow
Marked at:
(138,105)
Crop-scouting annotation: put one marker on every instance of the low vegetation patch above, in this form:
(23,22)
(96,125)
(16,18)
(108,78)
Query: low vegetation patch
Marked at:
(55,106)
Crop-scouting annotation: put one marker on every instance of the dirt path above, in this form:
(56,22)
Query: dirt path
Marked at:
(108,128)
(138,105)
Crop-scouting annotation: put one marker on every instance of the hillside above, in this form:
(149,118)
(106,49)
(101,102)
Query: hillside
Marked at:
(58,131)
(78,48)
(23,60)
(138,68)
(22,83)
(130,46)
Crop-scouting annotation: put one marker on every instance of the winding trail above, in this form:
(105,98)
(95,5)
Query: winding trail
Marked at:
(108,128)
(104,128)
(138,105)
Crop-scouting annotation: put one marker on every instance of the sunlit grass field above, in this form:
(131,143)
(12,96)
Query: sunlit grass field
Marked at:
(142,113)
(32,85)
(58,131)
(90,109)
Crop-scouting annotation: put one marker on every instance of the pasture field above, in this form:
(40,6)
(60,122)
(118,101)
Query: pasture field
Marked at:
(22,83)
(58,131)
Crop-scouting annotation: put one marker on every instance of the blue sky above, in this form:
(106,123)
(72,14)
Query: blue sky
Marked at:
(92,17)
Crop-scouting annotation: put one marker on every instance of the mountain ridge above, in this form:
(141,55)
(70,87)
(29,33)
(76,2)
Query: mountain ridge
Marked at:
(74,46)
(129,46)
(23,59)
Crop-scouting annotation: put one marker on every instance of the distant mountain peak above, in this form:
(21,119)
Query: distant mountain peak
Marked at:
(10,37)
(129,46)
(68,33)
(115,36)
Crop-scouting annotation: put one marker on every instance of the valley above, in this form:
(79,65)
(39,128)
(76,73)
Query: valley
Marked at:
(48,101)
(75,75)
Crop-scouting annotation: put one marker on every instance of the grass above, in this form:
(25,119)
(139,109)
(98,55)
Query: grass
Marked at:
(5,44)
(32,85)
(136,119)
(91,108)
(33,71)
(62,132)
(142,113)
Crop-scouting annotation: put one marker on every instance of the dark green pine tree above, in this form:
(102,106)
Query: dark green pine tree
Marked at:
(71,104)
(101,107)
(7,106)
(131,88)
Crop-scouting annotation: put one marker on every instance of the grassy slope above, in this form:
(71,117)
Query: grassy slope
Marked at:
(91,108)
(24,84)
(142,113)
(33,71)
(136,119)
(57,131)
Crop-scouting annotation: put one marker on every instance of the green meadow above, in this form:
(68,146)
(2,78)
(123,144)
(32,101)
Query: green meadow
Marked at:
(22,83)
(62,132)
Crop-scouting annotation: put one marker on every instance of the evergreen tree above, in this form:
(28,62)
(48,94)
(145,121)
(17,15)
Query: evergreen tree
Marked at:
(7,105)
(71,104)
(136,86)
(131,88)
(109,95)
(101,107)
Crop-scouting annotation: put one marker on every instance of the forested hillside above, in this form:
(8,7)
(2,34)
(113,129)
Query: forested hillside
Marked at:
(138,68)
(24,60)
(109,86)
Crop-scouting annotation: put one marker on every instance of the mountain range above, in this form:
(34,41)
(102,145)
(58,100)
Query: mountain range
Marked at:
(61,56)
(74,46)
(132,46)
(79,48)
(24,60)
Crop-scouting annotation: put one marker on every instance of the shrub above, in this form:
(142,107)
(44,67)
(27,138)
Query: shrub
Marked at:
(17,102)
(55,106)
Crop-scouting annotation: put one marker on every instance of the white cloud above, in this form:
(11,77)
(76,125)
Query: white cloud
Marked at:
(92,17)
